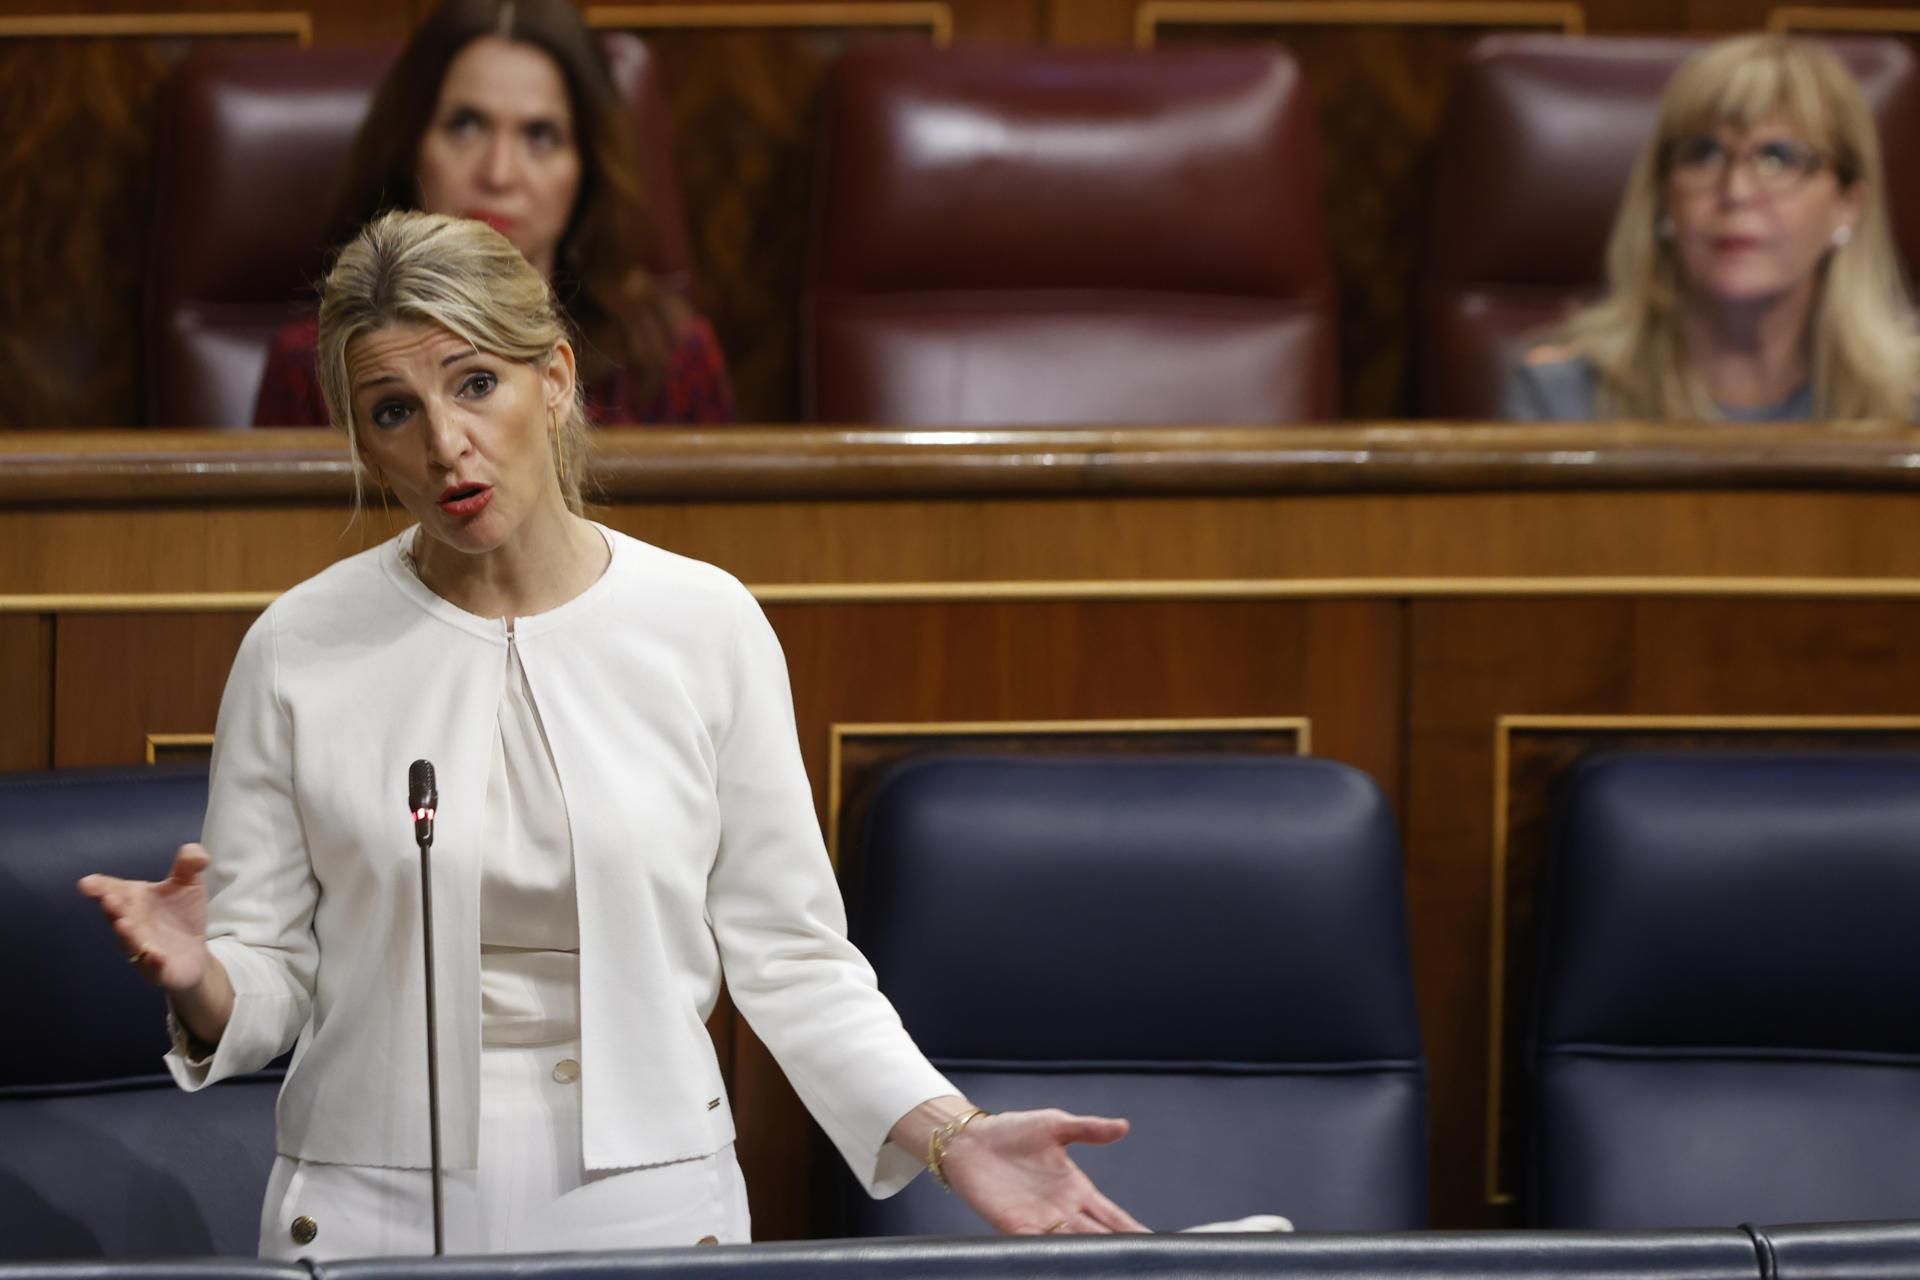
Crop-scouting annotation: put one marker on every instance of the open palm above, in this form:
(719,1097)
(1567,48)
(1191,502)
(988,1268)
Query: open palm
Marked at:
(1014,1171)
(161,924)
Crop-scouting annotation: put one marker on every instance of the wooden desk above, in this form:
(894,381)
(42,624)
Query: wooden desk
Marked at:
(1459,611)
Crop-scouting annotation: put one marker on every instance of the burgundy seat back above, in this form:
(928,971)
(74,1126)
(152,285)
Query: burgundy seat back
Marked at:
(1028,237)
(252,144)
(1538,142)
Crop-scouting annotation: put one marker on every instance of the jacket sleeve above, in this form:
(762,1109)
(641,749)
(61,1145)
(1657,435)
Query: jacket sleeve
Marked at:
(776,911)
(263,893)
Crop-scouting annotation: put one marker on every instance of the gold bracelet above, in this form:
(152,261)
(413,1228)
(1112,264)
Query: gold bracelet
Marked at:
(937,1143)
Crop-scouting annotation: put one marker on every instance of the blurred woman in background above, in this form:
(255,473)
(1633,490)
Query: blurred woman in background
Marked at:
(1751,271)
(504,111)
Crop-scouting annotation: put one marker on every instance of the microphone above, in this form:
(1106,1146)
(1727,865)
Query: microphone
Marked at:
(423,798)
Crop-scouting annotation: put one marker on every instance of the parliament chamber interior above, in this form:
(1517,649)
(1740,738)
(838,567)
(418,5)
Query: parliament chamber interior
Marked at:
(1490,844)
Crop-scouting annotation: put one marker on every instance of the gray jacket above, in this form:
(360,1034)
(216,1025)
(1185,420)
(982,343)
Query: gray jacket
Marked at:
(1567,391)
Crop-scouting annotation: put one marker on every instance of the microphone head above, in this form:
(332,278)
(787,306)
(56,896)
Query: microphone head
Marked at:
(421,791)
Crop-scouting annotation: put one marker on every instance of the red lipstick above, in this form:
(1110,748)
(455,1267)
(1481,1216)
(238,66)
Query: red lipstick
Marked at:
(464,500)
(498,221)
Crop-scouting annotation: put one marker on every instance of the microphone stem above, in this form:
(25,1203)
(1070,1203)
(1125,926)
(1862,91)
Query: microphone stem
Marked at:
(433,1046)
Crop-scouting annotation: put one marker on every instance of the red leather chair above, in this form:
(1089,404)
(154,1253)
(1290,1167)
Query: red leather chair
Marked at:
(1538,141)
(252,141)
(1050,236)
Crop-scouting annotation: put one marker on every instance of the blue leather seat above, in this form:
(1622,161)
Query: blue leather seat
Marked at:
(1725,1254)
(1214,948)
(1728,1024)
(147,1269)
(1840,1250)
(100,1155)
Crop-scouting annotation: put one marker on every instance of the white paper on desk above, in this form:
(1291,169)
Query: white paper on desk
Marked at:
(1258,1222)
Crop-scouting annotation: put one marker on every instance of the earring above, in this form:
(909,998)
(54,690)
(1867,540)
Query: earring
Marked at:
(1842,234)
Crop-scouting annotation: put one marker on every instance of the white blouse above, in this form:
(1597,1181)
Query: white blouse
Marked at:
(529,925)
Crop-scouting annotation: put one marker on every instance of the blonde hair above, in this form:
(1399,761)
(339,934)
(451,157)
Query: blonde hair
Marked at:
(423,268)
(1862,349)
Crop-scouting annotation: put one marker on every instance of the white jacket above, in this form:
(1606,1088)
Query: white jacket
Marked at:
(664,696)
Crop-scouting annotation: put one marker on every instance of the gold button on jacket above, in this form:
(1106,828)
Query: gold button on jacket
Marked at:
(304,1229)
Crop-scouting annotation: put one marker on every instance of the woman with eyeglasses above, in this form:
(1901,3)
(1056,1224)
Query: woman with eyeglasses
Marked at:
(1751,273)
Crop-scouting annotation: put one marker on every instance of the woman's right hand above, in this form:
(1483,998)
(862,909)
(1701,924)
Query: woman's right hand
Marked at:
(162,925)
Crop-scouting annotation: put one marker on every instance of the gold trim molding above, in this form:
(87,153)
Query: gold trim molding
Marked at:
(838,732)
(1504,728)
(1169,589)
(158,742)
(1567,18)
(1797,17)
(297,23)
(935,17)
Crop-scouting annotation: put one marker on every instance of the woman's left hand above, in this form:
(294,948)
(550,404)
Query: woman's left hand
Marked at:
(1014,1171)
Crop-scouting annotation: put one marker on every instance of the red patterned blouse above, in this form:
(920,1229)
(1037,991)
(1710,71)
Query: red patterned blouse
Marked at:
(695,389)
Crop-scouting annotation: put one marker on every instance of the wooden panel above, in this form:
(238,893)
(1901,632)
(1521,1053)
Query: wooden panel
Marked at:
(1232,510)
(26,691)
(75,201)
(743,101)
(120,677)
(1378,89)
(77,105)
(1437,544)
(1474,661)
(991,660)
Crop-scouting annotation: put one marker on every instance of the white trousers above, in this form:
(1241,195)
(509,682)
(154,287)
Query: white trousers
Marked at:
(531,1193)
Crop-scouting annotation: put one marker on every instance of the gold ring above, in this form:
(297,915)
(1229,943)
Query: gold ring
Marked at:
(1058,1226)
(136,957)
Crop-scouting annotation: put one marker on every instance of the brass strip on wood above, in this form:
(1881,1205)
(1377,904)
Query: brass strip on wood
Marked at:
(1799,17)
(1078,590)
(1567,18)
(937,18)
(157,741)
(295,23)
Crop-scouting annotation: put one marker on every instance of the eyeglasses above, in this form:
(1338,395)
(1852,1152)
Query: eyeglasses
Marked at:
(1778,166)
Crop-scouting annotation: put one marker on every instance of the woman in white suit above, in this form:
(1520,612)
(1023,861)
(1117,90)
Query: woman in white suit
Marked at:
(623,821)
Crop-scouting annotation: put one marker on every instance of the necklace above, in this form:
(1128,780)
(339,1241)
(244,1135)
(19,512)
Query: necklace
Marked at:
(413,563)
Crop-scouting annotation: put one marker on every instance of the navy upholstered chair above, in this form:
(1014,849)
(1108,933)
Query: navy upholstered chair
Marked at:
(1727,1026)
(1840,1250)
(1214,948)
(149,1269)
(100,1155)
(1722,1254)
